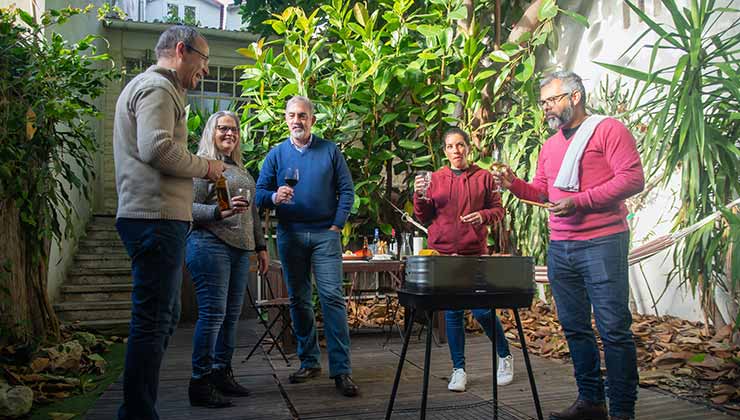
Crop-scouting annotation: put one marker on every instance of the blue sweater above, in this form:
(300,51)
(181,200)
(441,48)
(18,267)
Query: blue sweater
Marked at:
(324,194)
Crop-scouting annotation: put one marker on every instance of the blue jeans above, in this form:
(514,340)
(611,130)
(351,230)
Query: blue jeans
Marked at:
(455,321)
(157,251)
(220,273)
(594,273)
(320,252)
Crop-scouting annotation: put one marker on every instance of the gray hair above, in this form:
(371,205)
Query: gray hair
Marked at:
(207,145)
(174,34)
(571,82)
(303,99)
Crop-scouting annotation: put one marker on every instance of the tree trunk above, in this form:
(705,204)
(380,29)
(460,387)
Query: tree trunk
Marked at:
(25,311)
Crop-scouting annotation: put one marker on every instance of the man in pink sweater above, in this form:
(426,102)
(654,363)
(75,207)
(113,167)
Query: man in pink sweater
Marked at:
(589,241)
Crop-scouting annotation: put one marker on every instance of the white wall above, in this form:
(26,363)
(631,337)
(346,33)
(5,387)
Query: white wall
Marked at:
(62,253)
(233,19)
(606,40)
(34,7)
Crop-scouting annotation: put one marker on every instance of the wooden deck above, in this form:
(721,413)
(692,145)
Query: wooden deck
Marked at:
(374,366)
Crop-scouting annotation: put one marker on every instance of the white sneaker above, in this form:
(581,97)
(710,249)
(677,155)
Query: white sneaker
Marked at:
(458,380)
(505,372)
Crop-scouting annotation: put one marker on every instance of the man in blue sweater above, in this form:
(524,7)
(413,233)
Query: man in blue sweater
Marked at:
(311,216)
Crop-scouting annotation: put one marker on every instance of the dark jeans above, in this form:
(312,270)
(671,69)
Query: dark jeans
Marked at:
(455,321)
(157,251)
(594,273)
(220,273)
(320,252)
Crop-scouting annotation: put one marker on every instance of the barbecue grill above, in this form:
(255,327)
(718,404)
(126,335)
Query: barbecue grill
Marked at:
(439,282)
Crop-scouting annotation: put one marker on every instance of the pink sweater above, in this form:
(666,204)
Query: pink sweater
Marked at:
(610,172)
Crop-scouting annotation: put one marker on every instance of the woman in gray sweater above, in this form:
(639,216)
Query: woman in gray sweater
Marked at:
(218,250)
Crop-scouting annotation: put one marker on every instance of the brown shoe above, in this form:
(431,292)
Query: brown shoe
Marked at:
(582,410)
(303,375)
(346,385)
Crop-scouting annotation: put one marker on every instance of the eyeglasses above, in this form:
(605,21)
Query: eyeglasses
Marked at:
(227,128)
(192,48)
(552,100)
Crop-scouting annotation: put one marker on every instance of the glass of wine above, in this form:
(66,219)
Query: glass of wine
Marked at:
(427,177)
(246,196)
(291,178)
(498,167)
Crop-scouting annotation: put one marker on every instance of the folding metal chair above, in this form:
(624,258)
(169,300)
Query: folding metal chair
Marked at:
(262,308)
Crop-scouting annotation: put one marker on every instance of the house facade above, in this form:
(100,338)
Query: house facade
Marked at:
(202,13)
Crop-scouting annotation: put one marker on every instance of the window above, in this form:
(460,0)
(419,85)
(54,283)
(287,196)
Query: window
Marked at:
(173,11)
(189,17)
(218,91)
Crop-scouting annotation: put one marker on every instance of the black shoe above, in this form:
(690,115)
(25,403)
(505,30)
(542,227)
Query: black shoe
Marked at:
(203,394)
(582,410)
(620,418)
(346,386)
(223,380)
(304,374)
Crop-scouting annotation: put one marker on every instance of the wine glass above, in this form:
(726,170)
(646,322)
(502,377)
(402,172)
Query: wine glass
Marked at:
(291,178)
(246,196)
(498,167)
(427,177)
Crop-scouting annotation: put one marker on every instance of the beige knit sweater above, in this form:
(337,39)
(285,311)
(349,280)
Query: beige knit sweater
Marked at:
(154,169)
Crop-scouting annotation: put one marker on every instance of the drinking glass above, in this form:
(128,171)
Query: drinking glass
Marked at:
(498,167)
(427,177)
(291,178)
(406,249)
(246,195)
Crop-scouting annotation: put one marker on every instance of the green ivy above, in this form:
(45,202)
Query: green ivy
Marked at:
(47,88)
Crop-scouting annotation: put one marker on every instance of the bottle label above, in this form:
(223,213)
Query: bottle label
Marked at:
(222,194)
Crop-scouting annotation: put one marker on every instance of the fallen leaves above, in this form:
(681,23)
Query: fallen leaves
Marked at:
(55,372)
(676,355)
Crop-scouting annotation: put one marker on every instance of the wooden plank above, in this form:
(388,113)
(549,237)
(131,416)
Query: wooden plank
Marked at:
(374,367)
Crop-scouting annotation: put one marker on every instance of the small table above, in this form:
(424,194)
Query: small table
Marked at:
(395,270)
(392,267)
(431,303)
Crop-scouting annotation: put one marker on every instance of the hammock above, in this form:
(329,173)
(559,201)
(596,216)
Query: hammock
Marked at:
(653,247)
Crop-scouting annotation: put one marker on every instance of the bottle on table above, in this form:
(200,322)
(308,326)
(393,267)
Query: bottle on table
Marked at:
(392,244)
(365,252)
(376,241)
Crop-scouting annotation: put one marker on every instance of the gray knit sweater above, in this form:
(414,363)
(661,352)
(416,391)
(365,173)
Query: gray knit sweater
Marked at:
(206,214)
(154,169)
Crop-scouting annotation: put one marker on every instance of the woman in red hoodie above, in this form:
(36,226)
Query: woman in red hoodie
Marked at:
(458,207)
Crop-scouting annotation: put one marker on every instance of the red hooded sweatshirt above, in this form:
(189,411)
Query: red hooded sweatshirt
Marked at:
(452,196)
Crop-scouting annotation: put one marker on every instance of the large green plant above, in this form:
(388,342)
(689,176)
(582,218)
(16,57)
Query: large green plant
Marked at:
(690,108)
(387,83)
(47,86)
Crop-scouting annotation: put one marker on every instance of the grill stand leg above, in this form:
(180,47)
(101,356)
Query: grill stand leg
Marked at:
(409,325)
(523,342)
(495,364)
(427,362)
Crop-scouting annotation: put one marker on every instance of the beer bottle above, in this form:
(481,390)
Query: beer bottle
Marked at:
(222,193)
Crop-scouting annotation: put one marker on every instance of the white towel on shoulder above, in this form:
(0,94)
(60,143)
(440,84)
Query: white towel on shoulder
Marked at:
(567,179)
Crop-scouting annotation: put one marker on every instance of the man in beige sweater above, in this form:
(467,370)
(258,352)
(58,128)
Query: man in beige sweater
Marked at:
(154,173)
